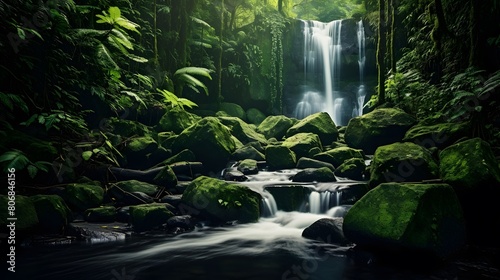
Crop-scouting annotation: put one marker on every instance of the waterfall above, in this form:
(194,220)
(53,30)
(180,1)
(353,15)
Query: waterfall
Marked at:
(311,103)
(361,94)
(321,202)
(269,205)
(322,48)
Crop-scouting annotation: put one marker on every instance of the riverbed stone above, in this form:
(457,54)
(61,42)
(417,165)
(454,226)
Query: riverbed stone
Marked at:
(210,141)
(377,128)
(326,230)
(320,124)
(53,213)
(248,152)
(302,143)
(280,157)
(248,167)
(184,155)
(353,168)
(255,116)
(105,214)
(132,186)
(243,131)
(233,110)
(402,162)
(408,218)
(149,216)
(25,212)
(322,174)
(220,201)
(81,197)
(339,155)
(275,126)
(305,162)
(175,120)
(439,135)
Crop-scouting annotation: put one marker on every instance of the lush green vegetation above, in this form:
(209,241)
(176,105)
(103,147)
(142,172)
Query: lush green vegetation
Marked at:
(69,65)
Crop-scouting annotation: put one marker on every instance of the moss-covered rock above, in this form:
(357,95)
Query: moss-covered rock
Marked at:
(248,152)
(133,186)
(289,197)
(275,126)
(221,201)
(280,157)
(105,214)
(233,110)
(137,151)
(439,135)
(302,143)
(248,167)
(320,124)
(255,116)
(166,177)
(353,168)
(210,141)
(176,120)
(81,197)
(402,162)
(149,216)
(243,131)
(394,217)
(127,128)
(53,213)
(24,211)
(184,155)
(377,128)
(327,230)
(306,162)
(469,164)
(339,155)
(165,139)
(322,174)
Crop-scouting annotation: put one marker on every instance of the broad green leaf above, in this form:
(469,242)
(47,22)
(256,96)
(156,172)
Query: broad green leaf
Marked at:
(192,82)
(87,155)
(122,39)
(127,24)
(199,71)
(15,158)
(32,171)
(187,102)
(114,12)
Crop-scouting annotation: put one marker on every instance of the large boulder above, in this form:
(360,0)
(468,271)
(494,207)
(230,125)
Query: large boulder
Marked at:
(126,128)
(53,213)
(302,143)
(184,155)
(306,162)
(377,128)
(248,167)
(322,174)
(255,116)
(439,135)
(353,168)
(82,196)
(243,131)
(248,152)
(210,141)
(339,155)
(105,214)
(24,210)
(320,124)
(402,162)
(280,157)
(471,168)
(221,201)
(408,218)
(137,150)
(233,110)
(131,186)
(176,120)
(275,126)
(326,230)
(149,216)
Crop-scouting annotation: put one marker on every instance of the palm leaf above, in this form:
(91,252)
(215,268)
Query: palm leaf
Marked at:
(15,159)
(200,22)
(127,24)
(199,71)
(192,82)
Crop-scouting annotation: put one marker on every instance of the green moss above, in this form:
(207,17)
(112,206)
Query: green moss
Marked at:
(438,135)
(135,186)
(305,162)
(302,143)
(184,155)
(322,174)
(339,155)
(280,157)
(105,214)
(221,201)
(53,213)
(142,144)
(176,120)
(352,169)
(83,196)
(248,166)
(320,124)
(128,128)
(149,216)
(243,131)
(275,126)
(25,213)
(233,110)
(255,116)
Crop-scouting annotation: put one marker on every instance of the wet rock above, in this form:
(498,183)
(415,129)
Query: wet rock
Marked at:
(275,126)
(322,174)
(25,213)
(280,157)
(289,197)
(377,128)
(184,222)
(132,186)
(255,116)
(408,218)
(123,214)
(306,162)
(339,155)
(233,110)
(353,168)
(248,167)
(402,162)
(105,214)
(52,212)
(176,120)
(149,216)
(247,152)
(187,169)
(173,199)
(137,150)
(320,124)
(209,140)
(439,135)
(326,230)
(81,197)
(235,176)
(243,131)
(184,155)
(302,143)
(220,201)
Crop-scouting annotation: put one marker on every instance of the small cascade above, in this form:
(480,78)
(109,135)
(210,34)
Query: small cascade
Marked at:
(311,103)
(337,111)
(321,202)
(361,94)
(269,205)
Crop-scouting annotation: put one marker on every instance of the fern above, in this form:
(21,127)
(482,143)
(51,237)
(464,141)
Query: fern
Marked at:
(184,76)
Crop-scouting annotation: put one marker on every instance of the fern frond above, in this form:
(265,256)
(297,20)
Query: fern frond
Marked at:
(14,159)
(192,82)
(105,57)
(199,71)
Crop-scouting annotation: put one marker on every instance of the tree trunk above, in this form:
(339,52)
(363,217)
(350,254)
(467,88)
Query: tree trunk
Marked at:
(381,50)
(280,6)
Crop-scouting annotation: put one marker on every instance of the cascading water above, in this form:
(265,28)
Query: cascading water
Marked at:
(322,48)
(361,94)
